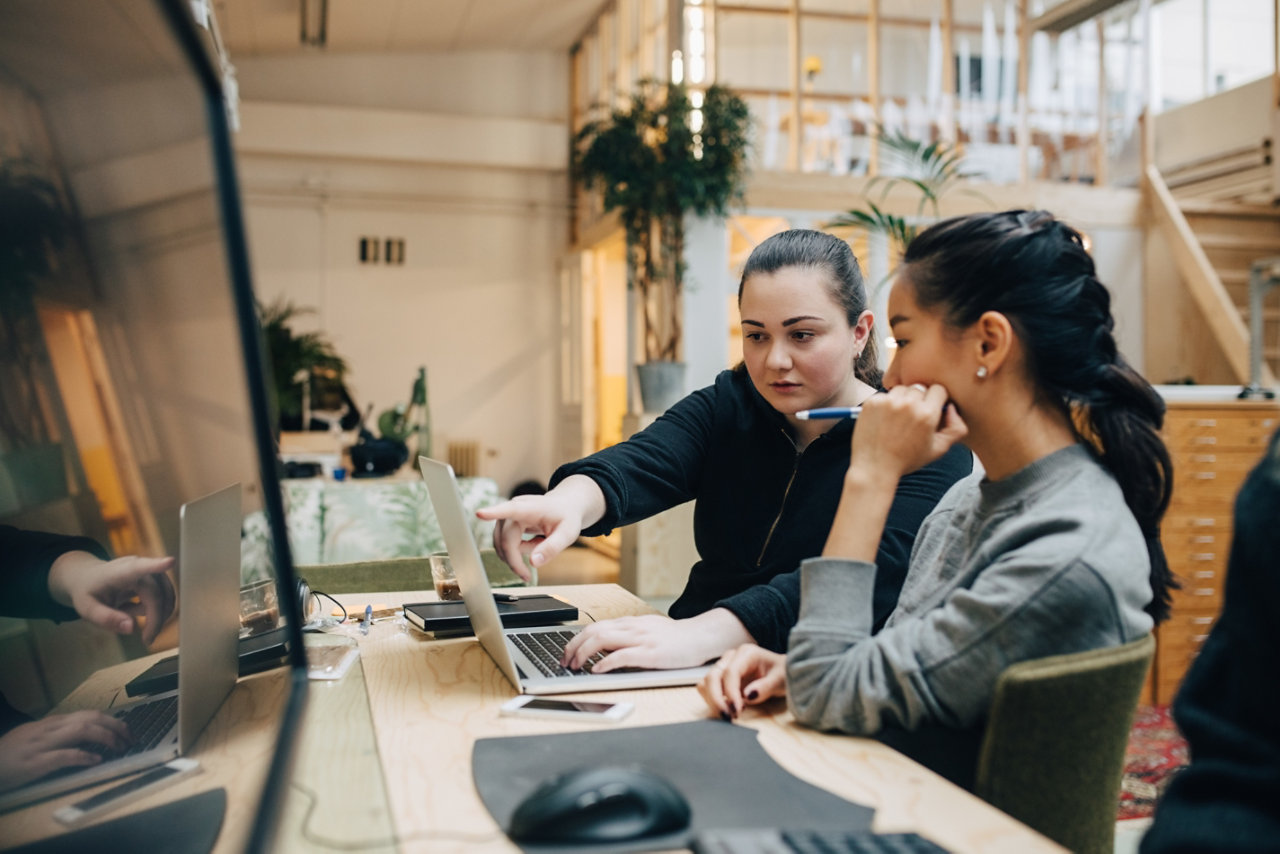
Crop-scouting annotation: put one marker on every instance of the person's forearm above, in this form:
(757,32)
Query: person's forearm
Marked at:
(585,494)
(860,517)
(65,563)
(718,631)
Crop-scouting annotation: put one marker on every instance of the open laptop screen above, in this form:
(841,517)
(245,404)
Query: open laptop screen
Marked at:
(131,377)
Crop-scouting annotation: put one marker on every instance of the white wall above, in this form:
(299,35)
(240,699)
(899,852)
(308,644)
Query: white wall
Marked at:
(484,227)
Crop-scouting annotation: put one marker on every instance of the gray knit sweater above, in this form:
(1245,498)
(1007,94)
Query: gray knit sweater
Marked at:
(1046,561)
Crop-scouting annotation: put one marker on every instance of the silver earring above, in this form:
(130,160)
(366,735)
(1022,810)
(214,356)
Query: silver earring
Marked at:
(982,372)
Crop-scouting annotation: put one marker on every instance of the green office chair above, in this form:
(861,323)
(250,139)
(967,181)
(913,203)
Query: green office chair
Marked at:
(401,573)
(1054,745)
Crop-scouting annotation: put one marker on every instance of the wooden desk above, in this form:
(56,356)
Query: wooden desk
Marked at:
(234,752)
(431,699)
(385,753)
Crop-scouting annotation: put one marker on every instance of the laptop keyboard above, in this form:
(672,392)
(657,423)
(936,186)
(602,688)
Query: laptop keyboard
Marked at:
(148,724)
(545,649)
(764,841)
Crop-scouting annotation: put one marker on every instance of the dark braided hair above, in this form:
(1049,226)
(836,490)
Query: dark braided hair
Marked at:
(802,247)
(1035,271)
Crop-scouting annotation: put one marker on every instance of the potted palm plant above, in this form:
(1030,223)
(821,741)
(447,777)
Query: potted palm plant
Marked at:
(300,362)
(656,160)
(930,168)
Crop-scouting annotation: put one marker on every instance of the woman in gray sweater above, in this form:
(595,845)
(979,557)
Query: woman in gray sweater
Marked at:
(1003,343)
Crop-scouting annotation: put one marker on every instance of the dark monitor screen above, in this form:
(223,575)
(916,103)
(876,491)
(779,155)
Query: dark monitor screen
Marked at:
(131,374)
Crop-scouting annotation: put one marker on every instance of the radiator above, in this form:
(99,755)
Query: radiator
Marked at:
(464,457)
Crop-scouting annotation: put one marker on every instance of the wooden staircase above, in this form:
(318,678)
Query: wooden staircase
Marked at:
(1234,235)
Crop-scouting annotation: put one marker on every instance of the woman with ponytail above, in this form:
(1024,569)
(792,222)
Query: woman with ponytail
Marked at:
(1005,344)
(766,482)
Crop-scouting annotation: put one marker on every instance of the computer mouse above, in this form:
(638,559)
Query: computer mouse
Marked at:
(607,803)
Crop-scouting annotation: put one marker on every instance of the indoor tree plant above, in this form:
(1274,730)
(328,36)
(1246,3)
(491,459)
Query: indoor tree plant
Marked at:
(33,225)
(655,160)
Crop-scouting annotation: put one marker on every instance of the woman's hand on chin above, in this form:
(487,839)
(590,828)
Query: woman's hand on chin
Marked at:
(905,429)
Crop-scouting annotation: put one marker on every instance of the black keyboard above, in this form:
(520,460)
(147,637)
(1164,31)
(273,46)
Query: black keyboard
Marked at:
(767,841)
(148,724)
(546,649)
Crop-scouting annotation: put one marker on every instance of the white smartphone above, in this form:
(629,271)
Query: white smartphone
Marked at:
(581,710)
(130,790)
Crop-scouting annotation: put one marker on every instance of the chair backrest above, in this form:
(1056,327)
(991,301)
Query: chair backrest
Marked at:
(402,573)
(1054,745)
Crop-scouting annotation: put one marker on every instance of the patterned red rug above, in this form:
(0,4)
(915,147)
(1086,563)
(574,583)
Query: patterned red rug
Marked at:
(1156,752)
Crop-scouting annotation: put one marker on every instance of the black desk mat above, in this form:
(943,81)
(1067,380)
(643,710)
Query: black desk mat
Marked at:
(723,772)
(187,826)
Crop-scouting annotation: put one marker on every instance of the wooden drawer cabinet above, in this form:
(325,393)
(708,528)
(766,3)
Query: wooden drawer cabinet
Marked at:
(1213,446)
(1199,426)
(1178,642)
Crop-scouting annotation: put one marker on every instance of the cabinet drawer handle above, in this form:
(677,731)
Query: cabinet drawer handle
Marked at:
(1205,440)
(1199,638)
(1204,522)
(1205,573)
(1205,422)
(1204,458)
(1204,475)
(1203,556)
(1201,621)
(1203,539)
(1203,591)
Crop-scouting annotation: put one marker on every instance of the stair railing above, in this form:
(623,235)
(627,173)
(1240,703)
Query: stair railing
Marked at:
(1207,291)
(1263,276)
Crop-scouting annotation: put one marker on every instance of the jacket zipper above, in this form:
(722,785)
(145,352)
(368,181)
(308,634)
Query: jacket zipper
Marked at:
(785,493)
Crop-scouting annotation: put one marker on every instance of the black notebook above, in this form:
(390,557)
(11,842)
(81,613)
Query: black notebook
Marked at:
(534,609)
(257,652)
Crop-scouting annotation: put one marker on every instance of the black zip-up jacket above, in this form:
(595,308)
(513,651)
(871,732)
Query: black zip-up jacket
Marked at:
(25,560)
(762,506)
(1227,801)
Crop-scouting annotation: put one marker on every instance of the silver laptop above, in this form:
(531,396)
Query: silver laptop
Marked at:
(208,569)
(529,658)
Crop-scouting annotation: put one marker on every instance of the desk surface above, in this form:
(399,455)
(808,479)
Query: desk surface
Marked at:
(431,699)
(385,753)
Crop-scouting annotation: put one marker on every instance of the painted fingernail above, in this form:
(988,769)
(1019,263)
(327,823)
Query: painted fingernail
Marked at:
(752,694)
(724,716)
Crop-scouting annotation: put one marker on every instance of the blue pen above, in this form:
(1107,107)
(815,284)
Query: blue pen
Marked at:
(368,618)
(829,412)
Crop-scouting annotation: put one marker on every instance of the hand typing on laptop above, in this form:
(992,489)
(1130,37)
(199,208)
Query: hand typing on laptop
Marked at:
(30,751)
(76,576)
(655,641)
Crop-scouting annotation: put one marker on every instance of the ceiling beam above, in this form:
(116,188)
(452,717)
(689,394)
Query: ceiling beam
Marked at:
(1071,13)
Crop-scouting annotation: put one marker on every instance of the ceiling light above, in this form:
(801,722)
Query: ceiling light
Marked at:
(315,22)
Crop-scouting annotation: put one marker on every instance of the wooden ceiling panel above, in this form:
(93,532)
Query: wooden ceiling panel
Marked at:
(259,27)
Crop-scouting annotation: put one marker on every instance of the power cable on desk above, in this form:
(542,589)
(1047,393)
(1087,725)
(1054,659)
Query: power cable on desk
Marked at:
(393,840)
(319,593)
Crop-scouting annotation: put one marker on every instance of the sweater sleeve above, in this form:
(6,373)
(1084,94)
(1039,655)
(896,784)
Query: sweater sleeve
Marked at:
(941,666)
(654,470)
(768,611)
(27,558)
